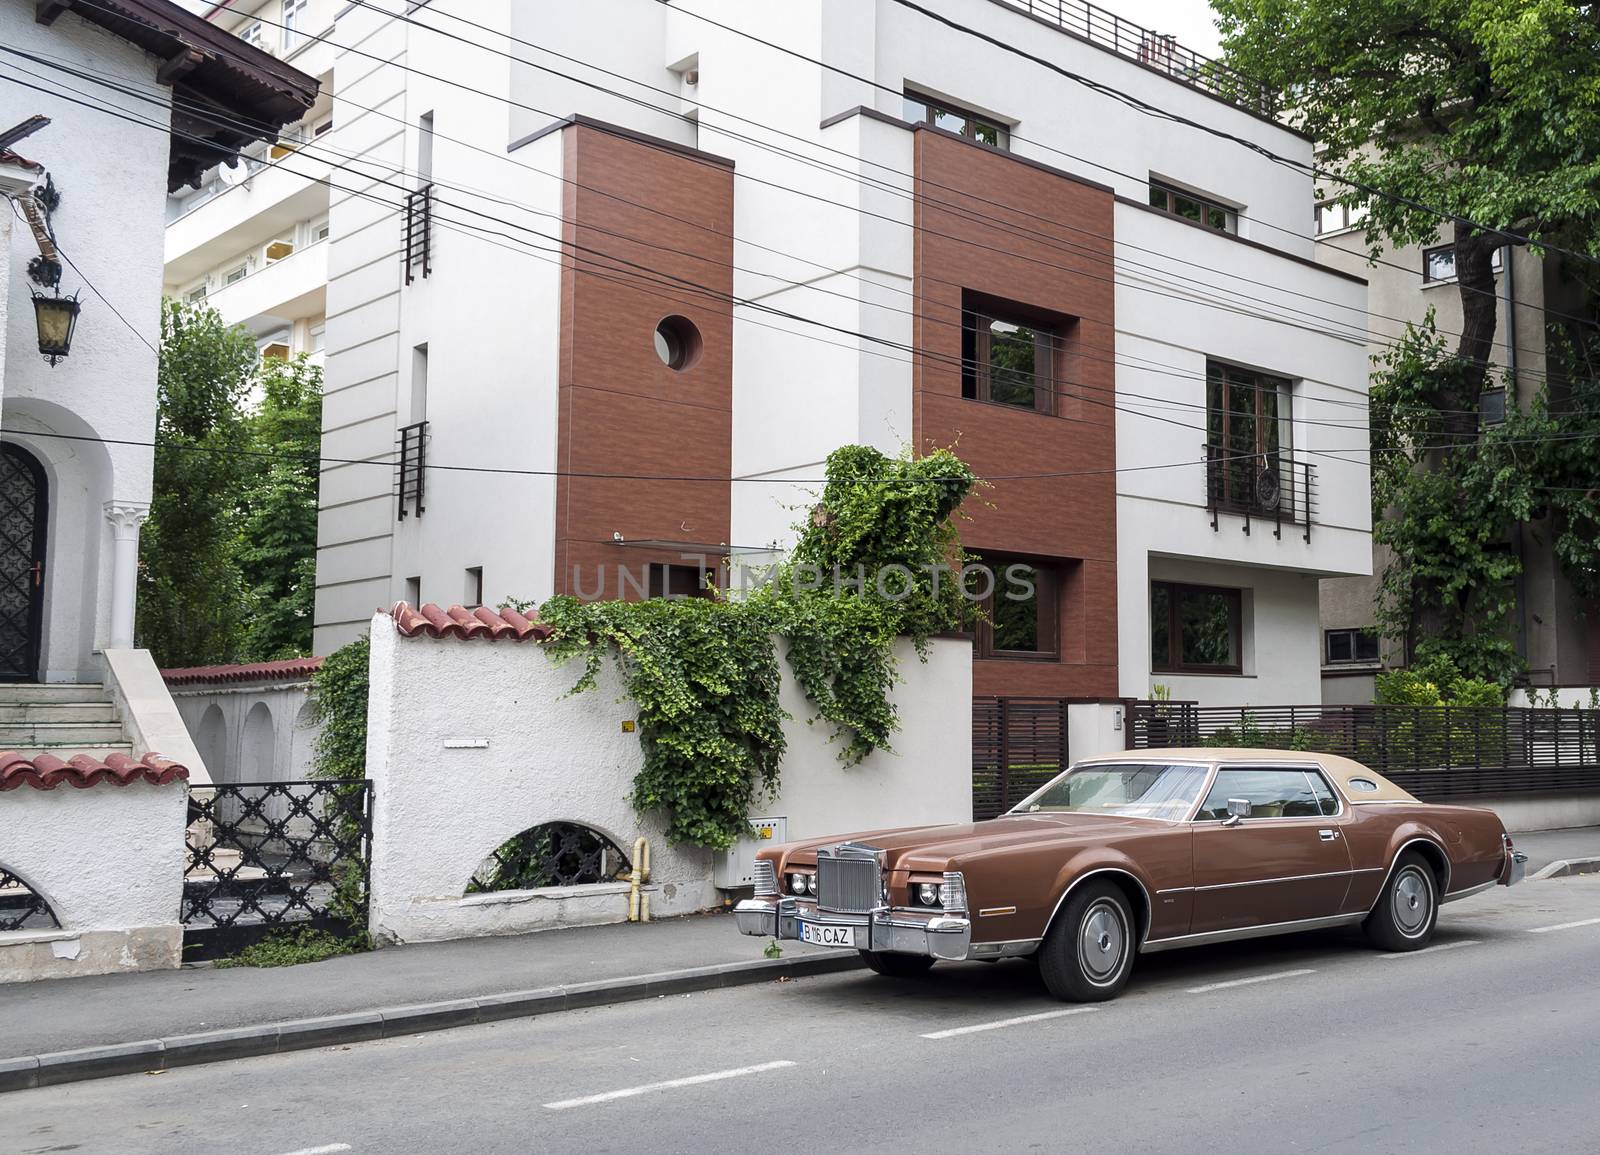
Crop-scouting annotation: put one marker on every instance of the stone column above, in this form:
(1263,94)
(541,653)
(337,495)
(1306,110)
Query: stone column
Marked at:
(125,517)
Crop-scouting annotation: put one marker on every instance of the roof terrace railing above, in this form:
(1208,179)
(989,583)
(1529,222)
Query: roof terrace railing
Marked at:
(1152,49)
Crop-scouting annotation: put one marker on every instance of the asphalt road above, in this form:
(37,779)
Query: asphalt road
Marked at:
(1488,1041)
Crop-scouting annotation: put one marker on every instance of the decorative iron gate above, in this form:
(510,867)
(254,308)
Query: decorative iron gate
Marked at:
(22,907)
(1018,744)
(268,855)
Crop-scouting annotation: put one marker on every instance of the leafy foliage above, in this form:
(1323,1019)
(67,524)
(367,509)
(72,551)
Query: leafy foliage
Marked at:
(1436,682)
(229,552)
(287,948)
(339,697)
(704,671)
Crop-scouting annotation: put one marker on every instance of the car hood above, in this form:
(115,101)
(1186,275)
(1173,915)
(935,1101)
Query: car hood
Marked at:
(929,847)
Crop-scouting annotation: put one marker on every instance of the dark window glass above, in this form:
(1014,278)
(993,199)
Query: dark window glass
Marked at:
(1010,361)
(1439,264)
(1247,425)
(1492,407)
(678,581)
(1350,646)
(1271,794)
(1327,804)
(1192,207)
(1366,646)
(1341,645)
(1020,609)
(1194,628)
(926,110)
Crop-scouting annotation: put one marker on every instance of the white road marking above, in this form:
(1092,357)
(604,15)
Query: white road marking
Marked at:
(1433,949)
(1252,979)
(329,1149)
(998,1023)
(670,1084)
(1564,925)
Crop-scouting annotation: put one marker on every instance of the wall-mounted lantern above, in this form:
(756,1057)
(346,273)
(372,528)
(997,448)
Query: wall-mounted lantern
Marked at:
(56,317)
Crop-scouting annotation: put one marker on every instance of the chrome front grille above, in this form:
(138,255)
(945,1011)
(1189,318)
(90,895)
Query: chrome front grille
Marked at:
(849,880)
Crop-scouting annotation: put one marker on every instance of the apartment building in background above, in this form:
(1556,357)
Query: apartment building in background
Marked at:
(584,264)
(1557,636)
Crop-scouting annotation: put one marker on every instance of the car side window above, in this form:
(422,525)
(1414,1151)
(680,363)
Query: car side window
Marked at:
(1272,793)
(1327,802)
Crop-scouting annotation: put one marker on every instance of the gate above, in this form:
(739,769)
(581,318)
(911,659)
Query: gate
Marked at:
(1018,744)
(270,855)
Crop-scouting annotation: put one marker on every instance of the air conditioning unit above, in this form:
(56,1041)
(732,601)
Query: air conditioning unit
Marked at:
(735,867)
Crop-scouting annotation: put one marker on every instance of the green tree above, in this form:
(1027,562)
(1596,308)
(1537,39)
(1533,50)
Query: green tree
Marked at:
(1479,121)
(191,608)
(278,545)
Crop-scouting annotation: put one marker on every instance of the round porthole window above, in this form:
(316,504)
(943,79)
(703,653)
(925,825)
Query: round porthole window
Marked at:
(677,342)
(1363,784)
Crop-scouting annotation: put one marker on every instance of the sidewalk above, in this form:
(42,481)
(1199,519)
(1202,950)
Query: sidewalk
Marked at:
(1546,846)
(199,1014)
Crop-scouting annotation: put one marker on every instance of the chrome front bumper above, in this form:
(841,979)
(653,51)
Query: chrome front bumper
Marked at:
(1516,866)
(937,935)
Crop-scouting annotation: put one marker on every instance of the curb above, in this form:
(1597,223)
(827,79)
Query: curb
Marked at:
(1568,866)
(150,1055)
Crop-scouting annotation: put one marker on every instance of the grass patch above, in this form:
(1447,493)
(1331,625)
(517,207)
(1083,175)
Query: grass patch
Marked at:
(290,948)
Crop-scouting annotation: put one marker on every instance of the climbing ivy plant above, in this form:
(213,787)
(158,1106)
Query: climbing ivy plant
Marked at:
(877,559)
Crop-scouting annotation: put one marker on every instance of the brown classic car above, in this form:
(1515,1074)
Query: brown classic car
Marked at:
(1139,852)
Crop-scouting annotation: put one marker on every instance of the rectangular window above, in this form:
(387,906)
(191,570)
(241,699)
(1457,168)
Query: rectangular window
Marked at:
(920,109)
(1439,263)
(320,231)
(425,149)
(294,21)
(1018,597)
(473,593)
(1333,217)
(1194,629)
(1194,207)
(1354,645)
(1492,407)
(414,591)
(196,294)
(236,274)
(679,581)
(419,384)
(253,35)
(1009,354)
(1249,429)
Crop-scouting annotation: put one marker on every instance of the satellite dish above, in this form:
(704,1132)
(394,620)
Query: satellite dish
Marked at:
(234,172)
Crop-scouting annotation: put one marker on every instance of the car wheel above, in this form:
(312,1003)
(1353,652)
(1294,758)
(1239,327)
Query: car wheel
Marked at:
(896,965)
(1088,952)
(1408,907)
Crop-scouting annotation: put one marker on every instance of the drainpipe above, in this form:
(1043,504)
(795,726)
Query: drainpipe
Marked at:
(638,901)
(1512,400)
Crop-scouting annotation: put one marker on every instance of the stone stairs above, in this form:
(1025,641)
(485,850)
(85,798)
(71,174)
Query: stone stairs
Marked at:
(62,720)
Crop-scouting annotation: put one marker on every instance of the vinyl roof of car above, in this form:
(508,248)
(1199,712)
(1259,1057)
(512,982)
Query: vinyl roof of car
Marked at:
(1340,768)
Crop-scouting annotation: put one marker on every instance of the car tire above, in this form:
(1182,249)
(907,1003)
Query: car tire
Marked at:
(1408,907)
(1088,951)
(896,965)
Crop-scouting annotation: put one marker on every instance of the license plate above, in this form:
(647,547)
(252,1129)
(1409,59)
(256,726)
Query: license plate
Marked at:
(821,935)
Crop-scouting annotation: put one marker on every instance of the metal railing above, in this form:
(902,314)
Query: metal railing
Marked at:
(417,251)
(1272,487)
(1018,744)
(1152,49)
(1435,752)
(22,907)
(272,854)
(411,470)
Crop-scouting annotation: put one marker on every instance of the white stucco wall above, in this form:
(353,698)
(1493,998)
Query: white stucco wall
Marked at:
(109,860)
(440,809)
(216,717)
(112,176)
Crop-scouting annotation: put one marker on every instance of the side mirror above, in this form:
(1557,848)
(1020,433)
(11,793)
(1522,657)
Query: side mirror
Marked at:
(1237,808)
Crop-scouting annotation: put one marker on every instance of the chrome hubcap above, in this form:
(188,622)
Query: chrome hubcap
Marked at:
(1413,901)
(1101,941)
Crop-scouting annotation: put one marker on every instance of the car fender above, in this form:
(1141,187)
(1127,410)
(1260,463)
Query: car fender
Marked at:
(1102,862)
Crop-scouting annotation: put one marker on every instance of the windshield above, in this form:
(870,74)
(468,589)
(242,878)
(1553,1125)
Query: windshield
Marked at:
(1127,789)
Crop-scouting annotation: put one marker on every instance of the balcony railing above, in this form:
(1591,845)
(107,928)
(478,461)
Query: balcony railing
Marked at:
(1271,487)
(417,253)
(411,471)
(1163,53)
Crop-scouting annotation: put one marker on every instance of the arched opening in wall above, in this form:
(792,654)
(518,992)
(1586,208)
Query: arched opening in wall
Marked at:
(24,515)
(22,907)
(256,745)
(554,854)
(211,739)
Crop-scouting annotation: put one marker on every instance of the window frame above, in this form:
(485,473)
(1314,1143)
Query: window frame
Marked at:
(977,366)
(1353,217)
(292,13)
(1309,769)
(1175,629)
(1484,420)
(1207,202)
(1355,634)
(1047,601)
(932,105)
(1496,264)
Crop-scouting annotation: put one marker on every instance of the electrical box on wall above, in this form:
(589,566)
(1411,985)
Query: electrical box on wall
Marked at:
(735,868)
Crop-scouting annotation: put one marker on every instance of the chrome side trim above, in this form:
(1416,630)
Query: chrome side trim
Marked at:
(1469,892)
(1010,948)
(1271,881)
(1150,907)
(1244,932)
(991,911)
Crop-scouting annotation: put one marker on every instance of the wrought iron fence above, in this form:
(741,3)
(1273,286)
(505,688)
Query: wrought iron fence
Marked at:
(1271,487)
(1435,752)
(555,854)
(1163,53)
(22,907)
(1018,744)
(271,854)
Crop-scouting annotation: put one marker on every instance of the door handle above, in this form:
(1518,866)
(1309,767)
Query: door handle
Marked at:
(1328,835)
(38,574)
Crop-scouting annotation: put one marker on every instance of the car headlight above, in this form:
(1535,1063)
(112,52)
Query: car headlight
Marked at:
(930,893)
(797,883)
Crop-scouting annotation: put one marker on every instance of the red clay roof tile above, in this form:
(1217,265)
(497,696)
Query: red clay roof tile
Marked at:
(458,622)
(46,771)
(283,670)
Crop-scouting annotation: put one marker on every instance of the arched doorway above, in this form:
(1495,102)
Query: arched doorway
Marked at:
(24,512)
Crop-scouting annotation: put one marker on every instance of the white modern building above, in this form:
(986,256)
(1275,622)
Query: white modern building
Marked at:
(605,284)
